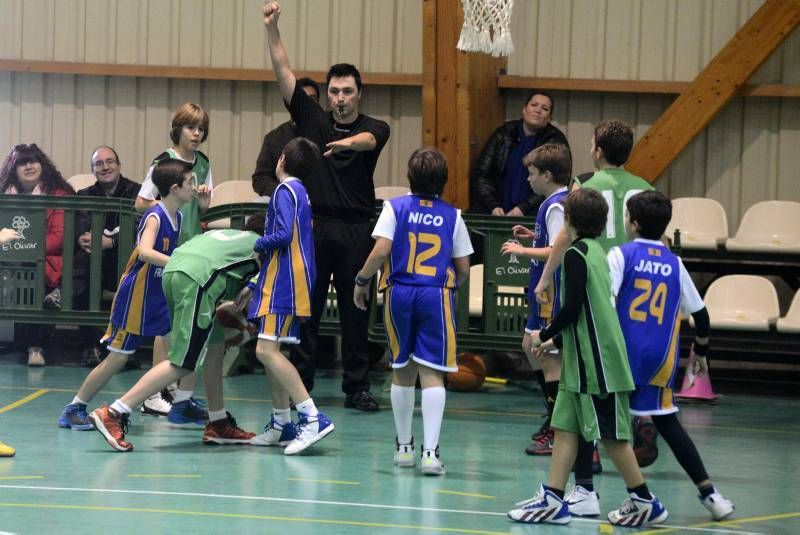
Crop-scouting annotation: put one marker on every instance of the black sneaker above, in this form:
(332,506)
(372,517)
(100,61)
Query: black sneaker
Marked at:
(362,401)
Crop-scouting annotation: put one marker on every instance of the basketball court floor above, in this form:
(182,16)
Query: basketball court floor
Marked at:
(64,481)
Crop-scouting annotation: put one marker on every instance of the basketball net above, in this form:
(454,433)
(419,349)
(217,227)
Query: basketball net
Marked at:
(486,28)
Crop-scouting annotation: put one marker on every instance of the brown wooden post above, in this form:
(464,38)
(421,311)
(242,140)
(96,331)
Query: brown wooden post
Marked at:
(461,103)
(713,88)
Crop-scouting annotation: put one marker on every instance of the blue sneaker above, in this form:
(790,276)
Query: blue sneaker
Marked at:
(636,512)
(187,413)
(310,430)
(544,508)
(75,417)
(275,434)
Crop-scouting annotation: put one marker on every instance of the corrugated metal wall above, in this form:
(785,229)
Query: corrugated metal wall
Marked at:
(749,153)
(69,115)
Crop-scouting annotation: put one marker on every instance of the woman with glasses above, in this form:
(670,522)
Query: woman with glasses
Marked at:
(28,171)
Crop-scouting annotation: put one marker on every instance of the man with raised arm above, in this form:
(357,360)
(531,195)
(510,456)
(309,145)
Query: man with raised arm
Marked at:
(342,193)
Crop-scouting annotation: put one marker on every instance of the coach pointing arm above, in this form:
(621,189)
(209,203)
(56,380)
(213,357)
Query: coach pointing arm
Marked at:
(361,142)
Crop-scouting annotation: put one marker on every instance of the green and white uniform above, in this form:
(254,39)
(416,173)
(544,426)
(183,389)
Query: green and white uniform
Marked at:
(617,186)
(202,272)
(595,374)
(201,174)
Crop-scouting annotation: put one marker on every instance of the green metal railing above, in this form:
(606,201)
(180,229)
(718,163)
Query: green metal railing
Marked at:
(22,262)
(22,284)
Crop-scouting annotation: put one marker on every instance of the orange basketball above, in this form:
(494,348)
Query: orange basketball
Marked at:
(470,375)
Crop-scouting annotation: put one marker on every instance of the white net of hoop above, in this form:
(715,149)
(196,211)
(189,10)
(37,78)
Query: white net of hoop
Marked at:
(486,27)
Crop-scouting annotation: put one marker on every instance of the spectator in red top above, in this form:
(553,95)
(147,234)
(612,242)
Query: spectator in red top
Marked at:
(28,171)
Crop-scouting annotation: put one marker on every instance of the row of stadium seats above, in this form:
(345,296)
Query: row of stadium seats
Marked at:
(768,226)
(749,303)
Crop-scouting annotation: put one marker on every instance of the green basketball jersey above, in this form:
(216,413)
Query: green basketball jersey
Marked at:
(228,253)
(191,213)
(617,186)
(594,357)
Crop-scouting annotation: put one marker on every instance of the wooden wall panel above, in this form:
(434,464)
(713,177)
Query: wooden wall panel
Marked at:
(659,40)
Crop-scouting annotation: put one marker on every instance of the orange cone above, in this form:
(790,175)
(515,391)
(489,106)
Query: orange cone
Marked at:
(697,388)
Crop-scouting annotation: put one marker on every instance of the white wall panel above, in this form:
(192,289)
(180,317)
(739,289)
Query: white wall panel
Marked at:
(376,35)
(70,115)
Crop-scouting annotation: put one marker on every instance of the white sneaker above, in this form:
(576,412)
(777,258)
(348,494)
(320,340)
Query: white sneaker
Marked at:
(310,430)
(275,434)
(156,405)
(636,512)
(718,505)
(582,502)
(545,507)
(404,454)
(431,465)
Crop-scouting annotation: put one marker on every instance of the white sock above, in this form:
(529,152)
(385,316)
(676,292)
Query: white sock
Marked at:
(403,409)
(214,416)
(182,395)
(78,401)
(120,408)
(282,416)
(307,407)
(432,413)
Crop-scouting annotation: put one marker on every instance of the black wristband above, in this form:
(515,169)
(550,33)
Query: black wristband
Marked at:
(362,282)
(701,350)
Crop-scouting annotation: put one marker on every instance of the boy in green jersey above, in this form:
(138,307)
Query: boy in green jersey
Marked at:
(595,376)
(200,274)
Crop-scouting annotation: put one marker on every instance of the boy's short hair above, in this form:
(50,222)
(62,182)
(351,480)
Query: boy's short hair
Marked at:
(652,210)
(168,172)
(188,113)
(553,157)
(255,223)
(301,157)
(427,172)
(308,82)
(586,211)
(616,140)
(342,70)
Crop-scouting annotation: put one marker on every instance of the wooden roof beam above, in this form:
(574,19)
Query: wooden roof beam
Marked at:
(722,78)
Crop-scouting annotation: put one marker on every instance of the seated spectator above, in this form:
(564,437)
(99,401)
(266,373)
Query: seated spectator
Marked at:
(498,183)
(106,167)
(264,180)
(28,171)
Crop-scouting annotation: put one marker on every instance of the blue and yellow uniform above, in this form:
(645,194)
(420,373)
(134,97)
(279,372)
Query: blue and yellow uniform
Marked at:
(542,314)
(139,308)
(288,273)
(419,279)
(652,287)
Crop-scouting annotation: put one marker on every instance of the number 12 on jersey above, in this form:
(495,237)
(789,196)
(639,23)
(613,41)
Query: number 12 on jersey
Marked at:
(416,262)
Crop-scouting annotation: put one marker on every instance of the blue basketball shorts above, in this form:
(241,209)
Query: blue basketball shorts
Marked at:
(649,400)
(121,341)
(281,328)
(421,325)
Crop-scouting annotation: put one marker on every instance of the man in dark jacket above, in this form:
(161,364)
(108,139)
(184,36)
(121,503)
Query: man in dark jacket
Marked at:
(264,180)
(498,184)
(106,167)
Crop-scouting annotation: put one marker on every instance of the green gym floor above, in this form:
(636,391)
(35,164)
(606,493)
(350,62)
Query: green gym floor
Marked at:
(64,481)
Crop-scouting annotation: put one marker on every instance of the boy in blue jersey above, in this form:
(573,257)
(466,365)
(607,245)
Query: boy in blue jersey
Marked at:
(596,381)
(549,172)
(652,287)
(423,247)
(139,308)
(202,273)
(283,299)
